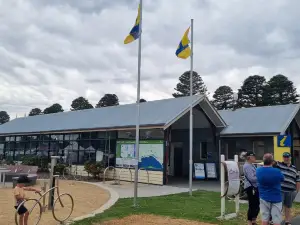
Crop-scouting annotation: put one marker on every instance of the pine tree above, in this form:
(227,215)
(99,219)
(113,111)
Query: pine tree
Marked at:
(252,92)
(280,91)
(108,100)
(223,98)
(183,87)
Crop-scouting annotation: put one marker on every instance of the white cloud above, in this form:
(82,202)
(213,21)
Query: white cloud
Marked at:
(55,51)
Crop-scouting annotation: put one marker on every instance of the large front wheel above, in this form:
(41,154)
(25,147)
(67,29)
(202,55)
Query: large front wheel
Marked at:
(63,207)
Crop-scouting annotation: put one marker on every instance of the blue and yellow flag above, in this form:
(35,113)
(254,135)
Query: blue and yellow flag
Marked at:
(135,31)
(184,51)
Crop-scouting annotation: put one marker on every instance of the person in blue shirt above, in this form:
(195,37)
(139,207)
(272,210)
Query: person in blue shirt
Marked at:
(269,185)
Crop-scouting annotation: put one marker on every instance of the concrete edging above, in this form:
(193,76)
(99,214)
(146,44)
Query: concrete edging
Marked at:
(114,196)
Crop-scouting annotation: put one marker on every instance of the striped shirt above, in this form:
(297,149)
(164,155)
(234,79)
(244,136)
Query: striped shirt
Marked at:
(291,176)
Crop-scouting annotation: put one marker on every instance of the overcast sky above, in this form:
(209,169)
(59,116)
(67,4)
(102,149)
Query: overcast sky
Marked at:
(52,51)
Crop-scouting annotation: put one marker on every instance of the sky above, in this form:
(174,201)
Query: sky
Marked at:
(55,51)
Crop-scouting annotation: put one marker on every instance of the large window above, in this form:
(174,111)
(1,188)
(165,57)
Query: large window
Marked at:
(77,147)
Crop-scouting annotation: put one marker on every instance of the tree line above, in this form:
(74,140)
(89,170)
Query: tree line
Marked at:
(79,103)
(254,91)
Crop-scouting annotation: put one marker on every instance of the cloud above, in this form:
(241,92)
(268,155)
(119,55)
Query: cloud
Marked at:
(55,51)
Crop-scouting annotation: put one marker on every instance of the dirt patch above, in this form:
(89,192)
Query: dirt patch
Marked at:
(151,220)
(87,198)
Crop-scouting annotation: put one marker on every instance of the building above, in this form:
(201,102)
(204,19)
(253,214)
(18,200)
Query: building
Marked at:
(108,134)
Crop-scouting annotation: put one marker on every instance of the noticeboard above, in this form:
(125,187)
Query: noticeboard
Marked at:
(211,171)
(199,171)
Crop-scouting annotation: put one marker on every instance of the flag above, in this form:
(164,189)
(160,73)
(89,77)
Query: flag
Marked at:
(184,51)
(135,31)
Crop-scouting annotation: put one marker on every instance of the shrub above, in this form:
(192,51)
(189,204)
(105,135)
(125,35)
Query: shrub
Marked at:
(94,168)
(59,168)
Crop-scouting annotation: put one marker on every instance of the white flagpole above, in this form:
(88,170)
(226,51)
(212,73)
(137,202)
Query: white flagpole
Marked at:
(191,111)
(137,136)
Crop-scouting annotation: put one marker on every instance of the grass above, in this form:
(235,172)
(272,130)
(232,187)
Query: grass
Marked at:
(202,206)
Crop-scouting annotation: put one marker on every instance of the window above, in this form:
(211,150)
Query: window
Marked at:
(259,149)
(203,150)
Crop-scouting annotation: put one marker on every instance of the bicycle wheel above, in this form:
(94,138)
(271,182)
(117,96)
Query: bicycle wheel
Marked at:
(63,207)
(32,203)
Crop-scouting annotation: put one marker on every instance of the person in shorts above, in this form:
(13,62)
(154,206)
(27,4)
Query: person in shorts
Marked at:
(290,186)
(19,195)
(269,185)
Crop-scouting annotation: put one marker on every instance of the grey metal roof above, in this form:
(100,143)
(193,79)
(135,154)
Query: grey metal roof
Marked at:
(153,113)
(259,120)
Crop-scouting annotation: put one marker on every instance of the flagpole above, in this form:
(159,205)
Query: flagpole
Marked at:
(191,110)
(137,135)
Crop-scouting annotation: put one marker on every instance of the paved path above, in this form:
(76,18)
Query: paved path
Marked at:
(125,190)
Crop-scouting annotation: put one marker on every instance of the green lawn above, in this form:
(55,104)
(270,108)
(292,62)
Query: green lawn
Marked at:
(202,206)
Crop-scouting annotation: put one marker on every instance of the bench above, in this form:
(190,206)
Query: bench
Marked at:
(32,178)
(21,170)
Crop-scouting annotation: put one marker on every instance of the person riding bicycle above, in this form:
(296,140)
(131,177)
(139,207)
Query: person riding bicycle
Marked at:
(19,194)
(250,186)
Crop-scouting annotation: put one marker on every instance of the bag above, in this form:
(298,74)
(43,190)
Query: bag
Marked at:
(254,189)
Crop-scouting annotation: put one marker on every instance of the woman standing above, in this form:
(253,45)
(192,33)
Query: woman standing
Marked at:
(250,186)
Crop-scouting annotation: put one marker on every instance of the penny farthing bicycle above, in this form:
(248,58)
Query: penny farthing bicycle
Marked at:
(63,202)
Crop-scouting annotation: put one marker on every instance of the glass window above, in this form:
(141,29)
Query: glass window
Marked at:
(7,138)
(86,135)
(203,150)
(18,138)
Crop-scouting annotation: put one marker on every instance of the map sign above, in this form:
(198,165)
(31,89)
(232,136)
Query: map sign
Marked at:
(150,155)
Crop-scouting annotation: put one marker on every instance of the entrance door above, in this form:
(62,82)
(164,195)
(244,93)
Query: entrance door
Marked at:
(178,158)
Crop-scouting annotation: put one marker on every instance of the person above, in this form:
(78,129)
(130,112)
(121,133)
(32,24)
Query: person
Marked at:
(269,186)
(19,195)
(290,186)
(250,186)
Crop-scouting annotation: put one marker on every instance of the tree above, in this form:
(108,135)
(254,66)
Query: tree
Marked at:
(280,91)
(252,92)
(142,100)
(35,112)
(108,100)
(223,98)
(55,108)
(80,103)
(183,87)
(4,117)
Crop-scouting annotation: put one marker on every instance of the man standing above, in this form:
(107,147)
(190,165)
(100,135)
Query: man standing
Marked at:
(290,186)
(269,185)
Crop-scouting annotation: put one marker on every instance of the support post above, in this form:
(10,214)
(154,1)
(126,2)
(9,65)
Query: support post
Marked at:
(51,181)
(237,197)
(222,173)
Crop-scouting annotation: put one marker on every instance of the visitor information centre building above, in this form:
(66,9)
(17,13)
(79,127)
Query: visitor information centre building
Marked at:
(108,135)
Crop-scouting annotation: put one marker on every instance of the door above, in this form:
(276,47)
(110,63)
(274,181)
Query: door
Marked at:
(178,158)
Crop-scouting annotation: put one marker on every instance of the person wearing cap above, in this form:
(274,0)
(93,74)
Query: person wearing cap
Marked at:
(250,185)
(269,185)
(290,186)
(19,194)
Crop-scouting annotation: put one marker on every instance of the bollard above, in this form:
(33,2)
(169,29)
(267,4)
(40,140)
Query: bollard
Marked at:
(44,197)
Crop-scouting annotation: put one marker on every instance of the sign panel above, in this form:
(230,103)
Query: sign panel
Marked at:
(150,154)
(233,178)
(199,171)
(284,141)
(211,171)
